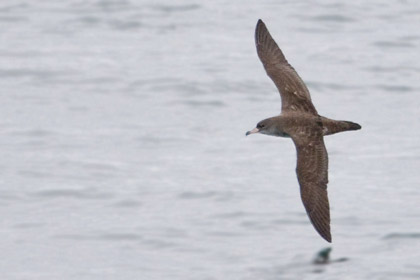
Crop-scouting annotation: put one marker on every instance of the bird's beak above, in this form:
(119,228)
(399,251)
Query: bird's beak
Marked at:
(255,130)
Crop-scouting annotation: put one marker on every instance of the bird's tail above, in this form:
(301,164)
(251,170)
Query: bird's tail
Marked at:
(332,126)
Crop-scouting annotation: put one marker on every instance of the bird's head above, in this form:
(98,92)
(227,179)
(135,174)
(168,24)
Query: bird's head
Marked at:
(268,126)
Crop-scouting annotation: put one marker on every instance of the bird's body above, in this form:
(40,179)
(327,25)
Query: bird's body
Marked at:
(300,121)
(292,123)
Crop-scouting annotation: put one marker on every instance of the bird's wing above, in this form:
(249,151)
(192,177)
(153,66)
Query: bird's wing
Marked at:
(293,91)
(312,174)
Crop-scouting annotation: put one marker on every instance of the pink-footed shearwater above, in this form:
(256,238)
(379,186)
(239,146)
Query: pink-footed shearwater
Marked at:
(300,121)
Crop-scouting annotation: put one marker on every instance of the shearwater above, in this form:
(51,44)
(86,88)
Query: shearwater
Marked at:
(300,121)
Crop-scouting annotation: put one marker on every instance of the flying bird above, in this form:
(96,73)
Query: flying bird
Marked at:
(300,121)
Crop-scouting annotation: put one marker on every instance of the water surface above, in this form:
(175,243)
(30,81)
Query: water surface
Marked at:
(122,148)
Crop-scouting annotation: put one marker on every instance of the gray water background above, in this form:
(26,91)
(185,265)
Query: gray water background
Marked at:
(122,148)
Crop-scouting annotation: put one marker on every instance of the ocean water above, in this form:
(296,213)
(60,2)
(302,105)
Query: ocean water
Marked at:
(123,152)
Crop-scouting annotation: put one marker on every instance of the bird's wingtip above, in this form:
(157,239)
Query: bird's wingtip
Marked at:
(259,31)
(327,236)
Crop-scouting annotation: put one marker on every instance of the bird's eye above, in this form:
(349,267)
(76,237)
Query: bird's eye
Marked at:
(260,126)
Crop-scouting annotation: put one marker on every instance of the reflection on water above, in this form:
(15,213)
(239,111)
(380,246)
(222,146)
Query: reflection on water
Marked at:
(123,153)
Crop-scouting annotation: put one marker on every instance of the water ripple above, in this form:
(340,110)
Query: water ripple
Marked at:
(176,8)
(394,44)
(71,193)
(333,18)
(101,237)
(412,235)
(213,103)
(32,73)
(392,69)
(127,203)
(14,19)
(209,194)
(395,88)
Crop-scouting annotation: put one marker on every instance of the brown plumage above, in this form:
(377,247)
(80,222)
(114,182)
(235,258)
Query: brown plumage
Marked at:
(300,121)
